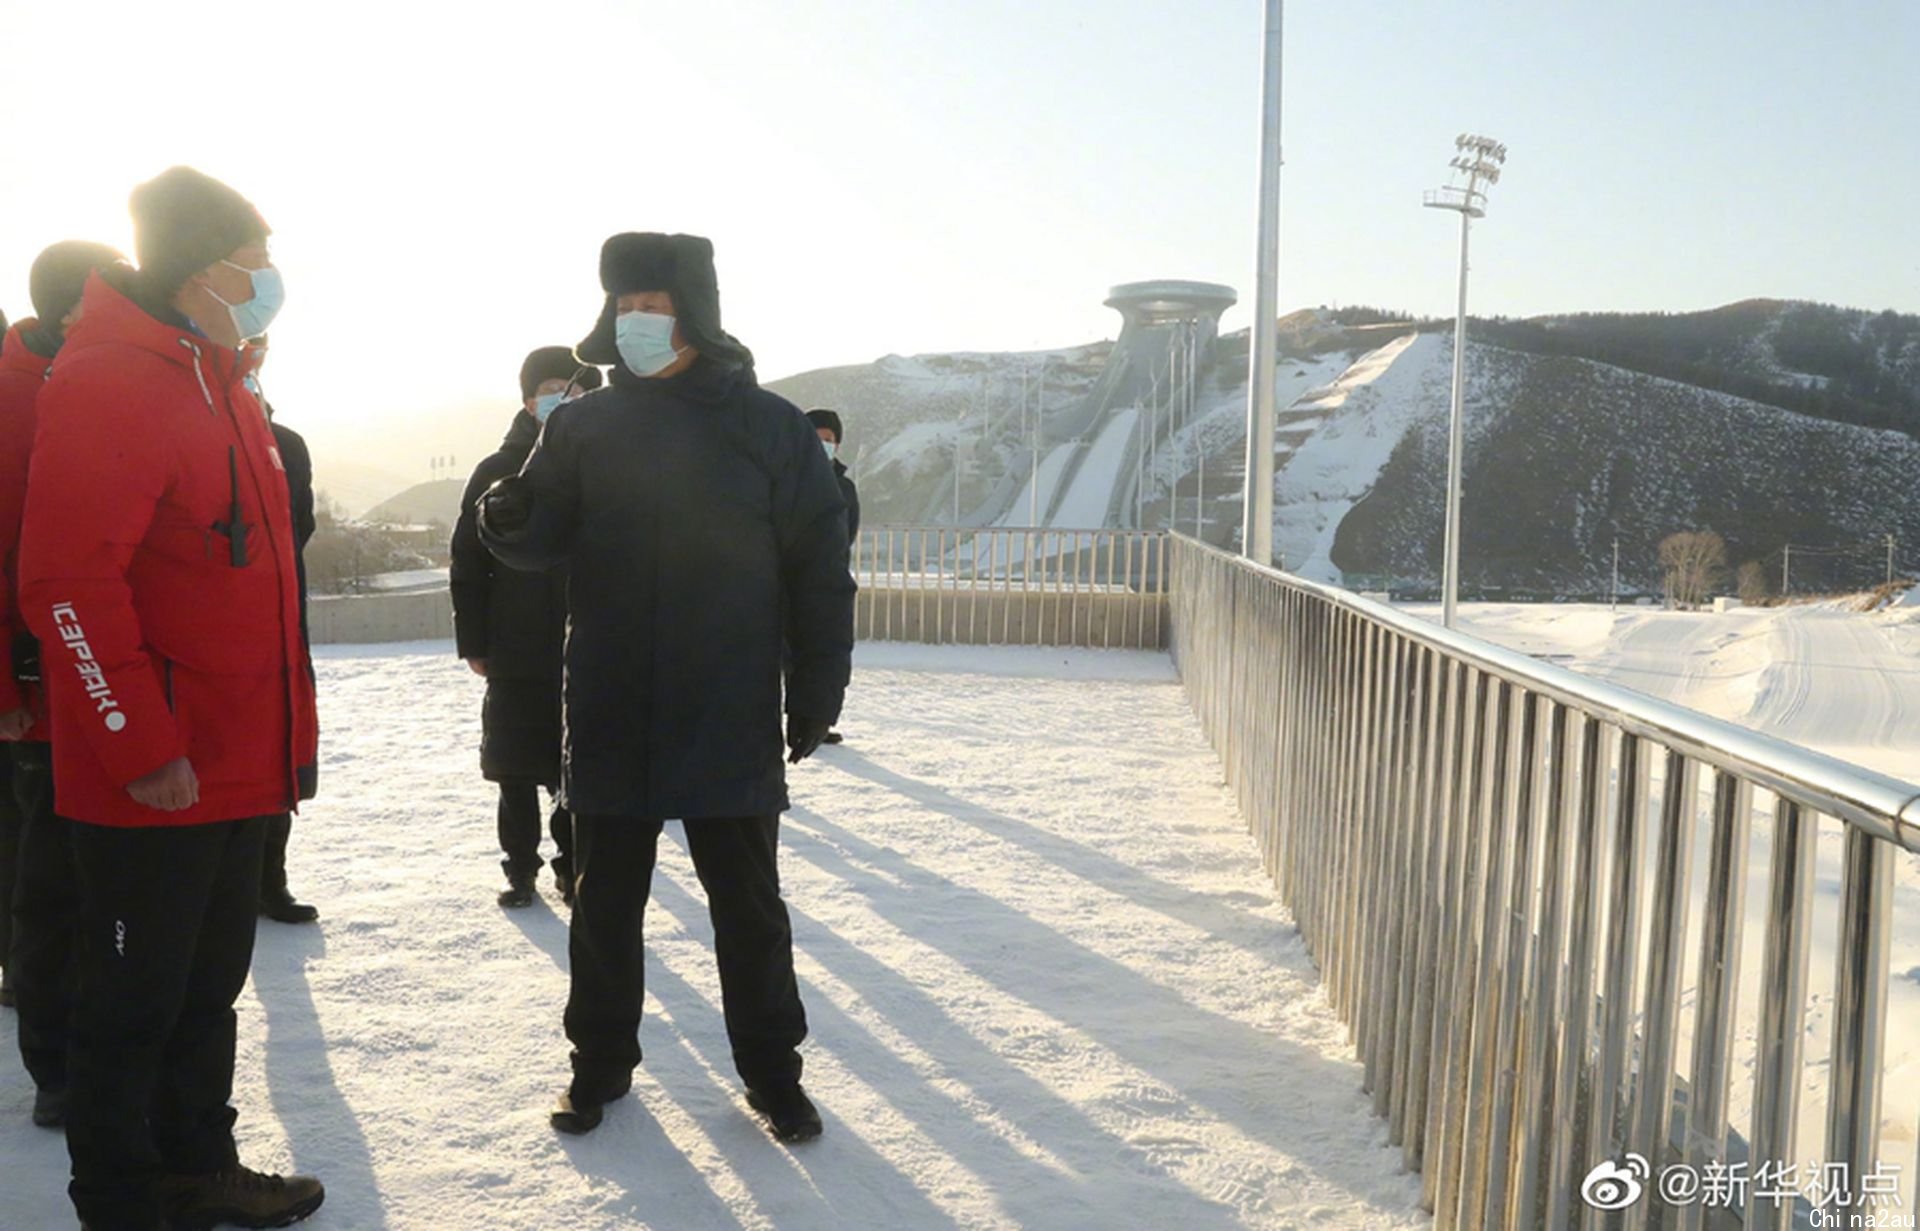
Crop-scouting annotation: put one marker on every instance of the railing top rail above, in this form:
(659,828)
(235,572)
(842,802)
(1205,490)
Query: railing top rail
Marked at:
(1884,807)
(929,527)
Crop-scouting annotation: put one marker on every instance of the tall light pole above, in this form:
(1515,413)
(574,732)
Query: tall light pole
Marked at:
(1256,531)
(1480,160)
(1193,402)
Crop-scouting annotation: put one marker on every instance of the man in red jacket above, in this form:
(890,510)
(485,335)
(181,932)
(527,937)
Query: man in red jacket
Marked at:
(42,887)
(157,568)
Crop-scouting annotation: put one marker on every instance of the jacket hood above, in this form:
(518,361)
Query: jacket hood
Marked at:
(118,312)
(19,354)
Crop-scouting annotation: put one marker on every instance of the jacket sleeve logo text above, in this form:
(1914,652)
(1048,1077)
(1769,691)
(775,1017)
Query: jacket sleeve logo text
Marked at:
(93,677)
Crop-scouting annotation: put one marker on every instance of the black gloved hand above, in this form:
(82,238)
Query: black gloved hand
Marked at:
(505,507)
(804,736)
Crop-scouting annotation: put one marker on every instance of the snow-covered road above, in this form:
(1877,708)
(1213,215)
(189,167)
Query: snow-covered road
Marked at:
(1048,983)
(1843,682)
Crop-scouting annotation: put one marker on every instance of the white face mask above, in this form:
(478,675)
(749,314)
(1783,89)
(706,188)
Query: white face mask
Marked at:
(833,450)
(645,342)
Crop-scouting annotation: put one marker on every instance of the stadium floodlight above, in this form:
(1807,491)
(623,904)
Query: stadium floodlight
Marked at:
(1479,160)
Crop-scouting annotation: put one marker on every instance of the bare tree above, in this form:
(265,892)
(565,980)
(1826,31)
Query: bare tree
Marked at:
(1755,588)
(1695,564)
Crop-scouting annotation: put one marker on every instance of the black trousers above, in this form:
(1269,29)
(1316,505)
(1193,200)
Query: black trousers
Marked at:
(520,829)
(736,859)
(45,905)
(273,859)
(164,942)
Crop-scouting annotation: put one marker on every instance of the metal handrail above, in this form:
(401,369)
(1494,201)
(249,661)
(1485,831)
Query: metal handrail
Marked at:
(1478,849)
(1886,807)
(1011,585)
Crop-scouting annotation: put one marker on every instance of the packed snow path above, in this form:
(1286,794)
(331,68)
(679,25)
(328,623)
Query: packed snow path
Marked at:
(1049,987)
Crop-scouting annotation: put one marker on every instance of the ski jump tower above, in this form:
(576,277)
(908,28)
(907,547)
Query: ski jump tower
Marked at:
(1144,397)
(1164,354)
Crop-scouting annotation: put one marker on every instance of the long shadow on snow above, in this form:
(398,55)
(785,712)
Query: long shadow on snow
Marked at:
(633,1150)
(1031,1192)
(1113,1004)
(825,1185)
(323,1133)
(1217,919)
(545,927)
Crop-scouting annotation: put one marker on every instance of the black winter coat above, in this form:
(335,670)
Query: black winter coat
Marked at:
(703,525)
(517,622)
(298,462)
(850,494)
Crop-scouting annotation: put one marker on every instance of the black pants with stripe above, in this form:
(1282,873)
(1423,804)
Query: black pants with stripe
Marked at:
(163,946)
(736,860)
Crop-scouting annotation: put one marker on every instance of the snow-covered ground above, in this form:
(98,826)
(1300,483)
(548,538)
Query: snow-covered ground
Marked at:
(1842,682)
(1048,983)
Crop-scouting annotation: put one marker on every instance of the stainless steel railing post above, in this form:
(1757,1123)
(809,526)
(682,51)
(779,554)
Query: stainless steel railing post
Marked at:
(1650,1126)
(1723,923)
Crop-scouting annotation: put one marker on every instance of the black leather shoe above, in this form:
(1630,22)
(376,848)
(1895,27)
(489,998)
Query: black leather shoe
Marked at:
(518,893)
(281,908)
(789,1113)
(576,1119)
(240,1197)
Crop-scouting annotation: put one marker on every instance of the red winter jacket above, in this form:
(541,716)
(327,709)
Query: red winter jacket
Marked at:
(157,568)
(22,373)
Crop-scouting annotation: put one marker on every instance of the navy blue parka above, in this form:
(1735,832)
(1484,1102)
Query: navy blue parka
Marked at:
(703,528)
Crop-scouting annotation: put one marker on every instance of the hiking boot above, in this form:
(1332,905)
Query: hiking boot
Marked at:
(564,882)
(239,1196)
(832,737)
(576,1119)
(584,1105)
(789,1113)
(279,906)
(50,1107)
(519,890)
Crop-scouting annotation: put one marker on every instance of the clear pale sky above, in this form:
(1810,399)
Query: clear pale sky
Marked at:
(892,176)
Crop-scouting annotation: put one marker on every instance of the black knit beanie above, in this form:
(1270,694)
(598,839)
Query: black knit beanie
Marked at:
(555,363)
(682,266)
(827,419)
(60,273)
(184,221)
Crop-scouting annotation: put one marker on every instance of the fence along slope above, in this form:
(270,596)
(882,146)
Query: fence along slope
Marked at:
(1458,830)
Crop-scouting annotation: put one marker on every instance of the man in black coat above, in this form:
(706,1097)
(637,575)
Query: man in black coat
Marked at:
(511,628)
(703,527)
(276,900)
(827,424)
